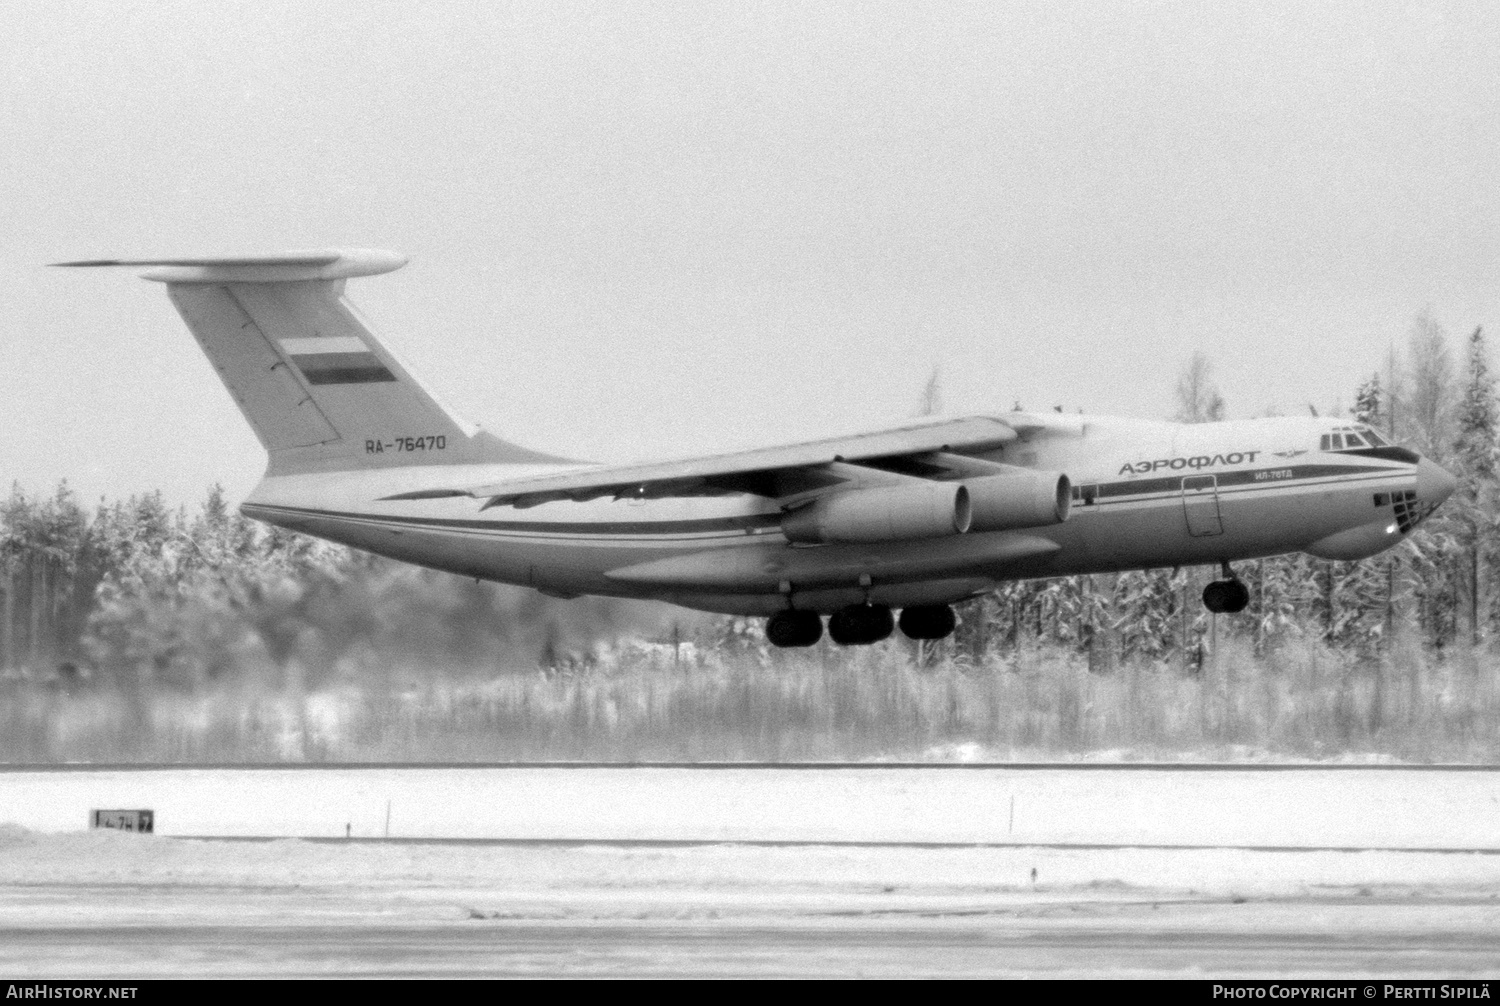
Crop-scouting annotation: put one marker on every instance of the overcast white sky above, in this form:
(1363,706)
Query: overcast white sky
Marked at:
(641,230)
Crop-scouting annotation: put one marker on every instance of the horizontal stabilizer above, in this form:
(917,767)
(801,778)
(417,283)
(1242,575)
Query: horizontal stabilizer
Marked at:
(288,267)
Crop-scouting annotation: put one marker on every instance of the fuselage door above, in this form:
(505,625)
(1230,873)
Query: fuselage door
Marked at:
(1200,503)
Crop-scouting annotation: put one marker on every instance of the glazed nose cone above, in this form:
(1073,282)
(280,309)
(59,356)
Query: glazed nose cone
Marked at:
(1433,483)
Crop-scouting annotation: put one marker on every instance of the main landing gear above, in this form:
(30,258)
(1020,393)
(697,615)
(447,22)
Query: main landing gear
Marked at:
(859,624)
(1226,596)
(794,628)
(928,621)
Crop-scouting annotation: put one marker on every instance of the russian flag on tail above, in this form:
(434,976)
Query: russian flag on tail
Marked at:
(336,360)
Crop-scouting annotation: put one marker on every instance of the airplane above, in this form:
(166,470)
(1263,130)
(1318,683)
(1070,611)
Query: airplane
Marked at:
(914,517)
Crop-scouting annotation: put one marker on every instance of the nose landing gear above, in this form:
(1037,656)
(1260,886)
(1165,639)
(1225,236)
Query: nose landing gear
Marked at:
(1226,596)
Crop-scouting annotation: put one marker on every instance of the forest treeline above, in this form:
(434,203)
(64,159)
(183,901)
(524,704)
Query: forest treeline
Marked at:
(135,592)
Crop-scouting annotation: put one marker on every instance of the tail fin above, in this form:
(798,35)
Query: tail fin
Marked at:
(320,390)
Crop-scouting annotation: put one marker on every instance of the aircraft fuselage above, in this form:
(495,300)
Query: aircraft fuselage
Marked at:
(1145,494)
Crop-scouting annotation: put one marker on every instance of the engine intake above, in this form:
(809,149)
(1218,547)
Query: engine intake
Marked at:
(885,513)
(1022,498)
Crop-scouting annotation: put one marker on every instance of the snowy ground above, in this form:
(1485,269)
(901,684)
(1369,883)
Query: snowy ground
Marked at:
(1389,808)
(80,904)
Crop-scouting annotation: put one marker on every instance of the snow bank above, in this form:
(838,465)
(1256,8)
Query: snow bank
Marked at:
(1271,806)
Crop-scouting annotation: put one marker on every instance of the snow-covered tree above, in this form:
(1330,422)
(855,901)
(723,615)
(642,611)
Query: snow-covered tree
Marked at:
(1368,405)
(1474,457)
(1432,387)
(1198,398)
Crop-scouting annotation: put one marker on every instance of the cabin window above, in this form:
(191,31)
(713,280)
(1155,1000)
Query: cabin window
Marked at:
(1325,443)
(1382,499)
(1350,440)
(1375,438)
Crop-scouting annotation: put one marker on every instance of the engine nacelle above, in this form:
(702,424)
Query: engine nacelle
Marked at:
(1022,498)
(883,513)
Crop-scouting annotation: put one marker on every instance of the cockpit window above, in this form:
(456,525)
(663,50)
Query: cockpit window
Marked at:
(1350,438)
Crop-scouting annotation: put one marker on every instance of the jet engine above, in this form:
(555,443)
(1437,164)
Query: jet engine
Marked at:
(1022,498)
(882,513)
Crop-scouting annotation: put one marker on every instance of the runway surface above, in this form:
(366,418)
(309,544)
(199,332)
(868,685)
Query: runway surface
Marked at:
(940,881)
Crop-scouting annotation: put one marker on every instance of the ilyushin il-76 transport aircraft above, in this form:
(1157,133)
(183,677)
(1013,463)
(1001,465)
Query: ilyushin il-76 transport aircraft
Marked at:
(912,517)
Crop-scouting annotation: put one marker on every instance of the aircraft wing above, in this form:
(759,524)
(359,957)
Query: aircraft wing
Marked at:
(922,447)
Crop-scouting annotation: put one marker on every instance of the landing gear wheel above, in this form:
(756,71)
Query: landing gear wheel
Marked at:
(928,621)
(860,624)
(794,628)
(1226,596)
